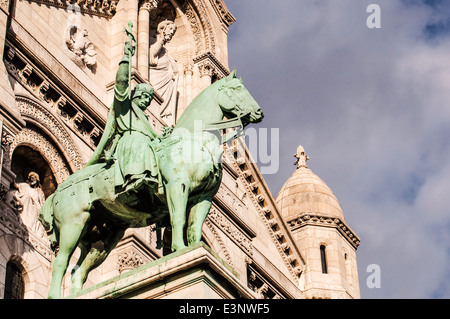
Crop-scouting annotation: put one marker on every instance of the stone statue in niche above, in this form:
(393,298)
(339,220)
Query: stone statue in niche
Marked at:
(84,54)
(164,70)
(30,197)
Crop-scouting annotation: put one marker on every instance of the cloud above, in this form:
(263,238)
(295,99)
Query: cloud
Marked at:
(371,108)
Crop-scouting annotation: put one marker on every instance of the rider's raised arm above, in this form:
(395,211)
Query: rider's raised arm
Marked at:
(122,86)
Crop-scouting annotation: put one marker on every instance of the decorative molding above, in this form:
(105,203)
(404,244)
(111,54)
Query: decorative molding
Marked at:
(32,110)
(231,230)
(223,248)
(195,28)
(206,68)
(324,221)
(235,208)
(102,8)
(275,227)
(54,100)
(260,285)
(201,27)
(133,250)
(46,149)
(223,12)
(208,64)
(128,260)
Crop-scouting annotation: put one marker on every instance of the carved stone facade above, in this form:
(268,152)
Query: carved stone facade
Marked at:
(56,83)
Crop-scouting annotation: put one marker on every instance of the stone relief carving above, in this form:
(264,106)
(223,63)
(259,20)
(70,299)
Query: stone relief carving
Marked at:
(103,8)
(201,27)
(223,248)
(4,4)
(7,140)
(12,220)
(82,49)
(231,230)
(129,260)
(150,4)
(30,197)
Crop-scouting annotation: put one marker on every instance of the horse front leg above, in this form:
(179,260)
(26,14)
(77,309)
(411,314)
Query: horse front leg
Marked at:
(197,216)
(95,256)
(177,192)
(69,236)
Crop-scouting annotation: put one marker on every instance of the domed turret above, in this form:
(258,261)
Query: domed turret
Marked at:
(304,192)
(316,222)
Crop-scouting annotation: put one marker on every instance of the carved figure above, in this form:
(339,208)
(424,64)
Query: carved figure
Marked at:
(30,198)
(85,210)
(78,42)
(164,70)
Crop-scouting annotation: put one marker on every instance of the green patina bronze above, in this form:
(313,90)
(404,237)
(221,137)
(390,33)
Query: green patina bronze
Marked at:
(137,178)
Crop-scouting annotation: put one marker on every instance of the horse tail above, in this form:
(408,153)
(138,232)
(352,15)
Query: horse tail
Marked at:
(46,219)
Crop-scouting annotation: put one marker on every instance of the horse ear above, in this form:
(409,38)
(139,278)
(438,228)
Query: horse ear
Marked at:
(233,74)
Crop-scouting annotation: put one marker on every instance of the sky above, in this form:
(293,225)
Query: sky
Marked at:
(371,107)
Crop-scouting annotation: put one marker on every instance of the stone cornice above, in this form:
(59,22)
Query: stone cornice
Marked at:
(216,67)
(102,8)
(222,11)
(264,203)
(314,219)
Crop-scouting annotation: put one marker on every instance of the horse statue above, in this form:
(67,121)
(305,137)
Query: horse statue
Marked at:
(86,210)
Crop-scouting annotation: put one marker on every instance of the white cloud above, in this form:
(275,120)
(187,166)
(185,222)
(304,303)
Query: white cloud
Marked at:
(372,108)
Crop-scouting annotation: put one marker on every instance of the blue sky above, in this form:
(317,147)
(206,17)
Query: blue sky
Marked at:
(372,109)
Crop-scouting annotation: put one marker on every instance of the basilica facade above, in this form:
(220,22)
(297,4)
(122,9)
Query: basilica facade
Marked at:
(57,76)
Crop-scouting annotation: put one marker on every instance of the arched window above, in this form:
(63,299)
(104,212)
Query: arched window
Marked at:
(14,283)
(323,259)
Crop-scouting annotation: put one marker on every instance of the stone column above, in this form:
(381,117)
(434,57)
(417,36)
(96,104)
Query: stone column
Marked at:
(187,87)
(143,38)
(206,72)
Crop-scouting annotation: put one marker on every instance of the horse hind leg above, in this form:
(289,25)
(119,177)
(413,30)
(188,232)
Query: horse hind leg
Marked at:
(177,192)
(197,216)
(95,256)
(70,233)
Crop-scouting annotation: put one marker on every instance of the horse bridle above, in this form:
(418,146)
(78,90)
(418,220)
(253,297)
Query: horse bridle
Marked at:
(234,122)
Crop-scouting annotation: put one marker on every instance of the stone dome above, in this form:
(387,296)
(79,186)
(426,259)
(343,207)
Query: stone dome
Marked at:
(305,193)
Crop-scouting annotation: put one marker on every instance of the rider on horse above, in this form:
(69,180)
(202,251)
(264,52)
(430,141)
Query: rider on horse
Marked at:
(128,136)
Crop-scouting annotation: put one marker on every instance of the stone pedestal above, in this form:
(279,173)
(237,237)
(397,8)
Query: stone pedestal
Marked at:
(192,273)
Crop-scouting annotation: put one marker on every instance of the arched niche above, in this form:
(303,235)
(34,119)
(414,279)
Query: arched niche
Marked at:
(46,134)
(30,151)
(164,11)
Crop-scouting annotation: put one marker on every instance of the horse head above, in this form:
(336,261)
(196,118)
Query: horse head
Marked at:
(236,101)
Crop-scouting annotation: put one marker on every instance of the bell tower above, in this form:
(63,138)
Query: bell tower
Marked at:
(316,221)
